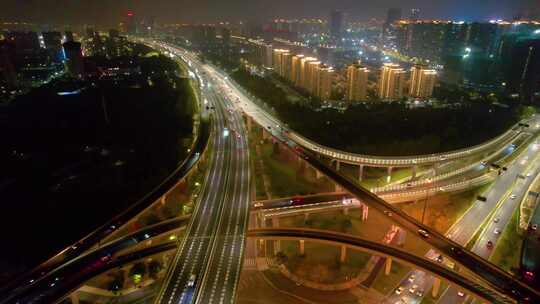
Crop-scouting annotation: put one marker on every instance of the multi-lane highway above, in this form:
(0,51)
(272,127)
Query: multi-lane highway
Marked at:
(498,205)
(489,272)
(58,282)
(206,266)
(97,236)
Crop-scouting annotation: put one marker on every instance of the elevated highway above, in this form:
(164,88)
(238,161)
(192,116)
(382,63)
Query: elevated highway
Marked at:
(59,281)
(339,239)
(96,237)
(491,273)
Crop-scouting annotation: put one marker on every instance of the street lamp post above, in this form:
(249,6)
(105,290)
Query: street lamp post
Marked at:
(426,200)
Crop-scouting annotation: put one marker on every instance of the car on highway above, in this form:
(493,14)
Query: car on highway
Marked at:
(413,289)
(497,231)
(534,226)
(489,244)
(420,293)
(496,220)
(399,290)
(192,279)
(513,196)
(411,278)
(258,205)
(460,293)
(423,233)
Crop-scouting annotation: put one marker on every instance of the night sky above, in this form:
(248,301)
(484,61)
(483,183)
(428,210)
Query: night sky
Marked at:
(109,12)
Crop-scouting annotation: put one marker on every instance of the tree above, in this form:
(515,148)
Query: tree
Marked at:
(117,282)
(137,272)
(154,267)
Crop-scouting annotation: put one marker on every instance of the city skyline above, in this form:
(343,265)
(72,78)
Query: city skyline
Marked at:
(167,11)
(270,152)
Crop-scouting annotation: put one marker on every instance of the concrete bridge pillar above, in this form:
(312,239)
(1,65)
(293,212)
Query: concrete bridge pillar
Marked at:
(249,123)
(302,248)
(413,173)
(345,211)
(262,219)
(162,200)
(277,243)
(436,287)
(74,297)
(265,134)
(343,254)
(389,173)
(365,212)
(306,216)
(275,222)
(360,172)
(277,246)
(318,174)
(388,266)
(338,165)
(338,188)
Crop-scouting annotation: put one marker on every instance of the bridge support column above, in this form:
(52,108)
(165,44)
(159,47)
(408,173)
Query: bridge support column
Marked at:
(343,254)
(389,173)
(318,174)
(436,287)
(162,200)
(277,243)
(338,188)
(277,246)
(360,172)
(388,266)
(265,134)
(306,216)
(413,173)
(249,123)
(345,211)
(74,297)
(302,249)
(275,222)
(338,165)
(262,219)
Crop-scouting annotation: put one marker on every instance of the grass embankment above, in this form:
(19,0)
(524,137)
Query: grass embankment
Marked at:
(285,174)
(386,283)
(443,210)
(507,252)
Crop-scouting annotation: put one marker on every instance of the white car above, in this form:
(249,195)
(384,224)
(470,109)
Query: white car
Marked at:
(192,279)
(400,289)
(411,278)
(497,231)
(513,196)
(413,289)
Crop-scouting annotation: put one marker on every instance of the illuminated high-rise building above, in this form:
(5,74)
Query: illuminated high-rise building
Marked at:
(391,82)
(53,44)
(286,61)
(131,23)
(280,61)
(312,76)
(295,69)
(304,63)
(422,81)
(337,22)
(8,73)
(324,79)
(357,79)
(415,14)
(74,59)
